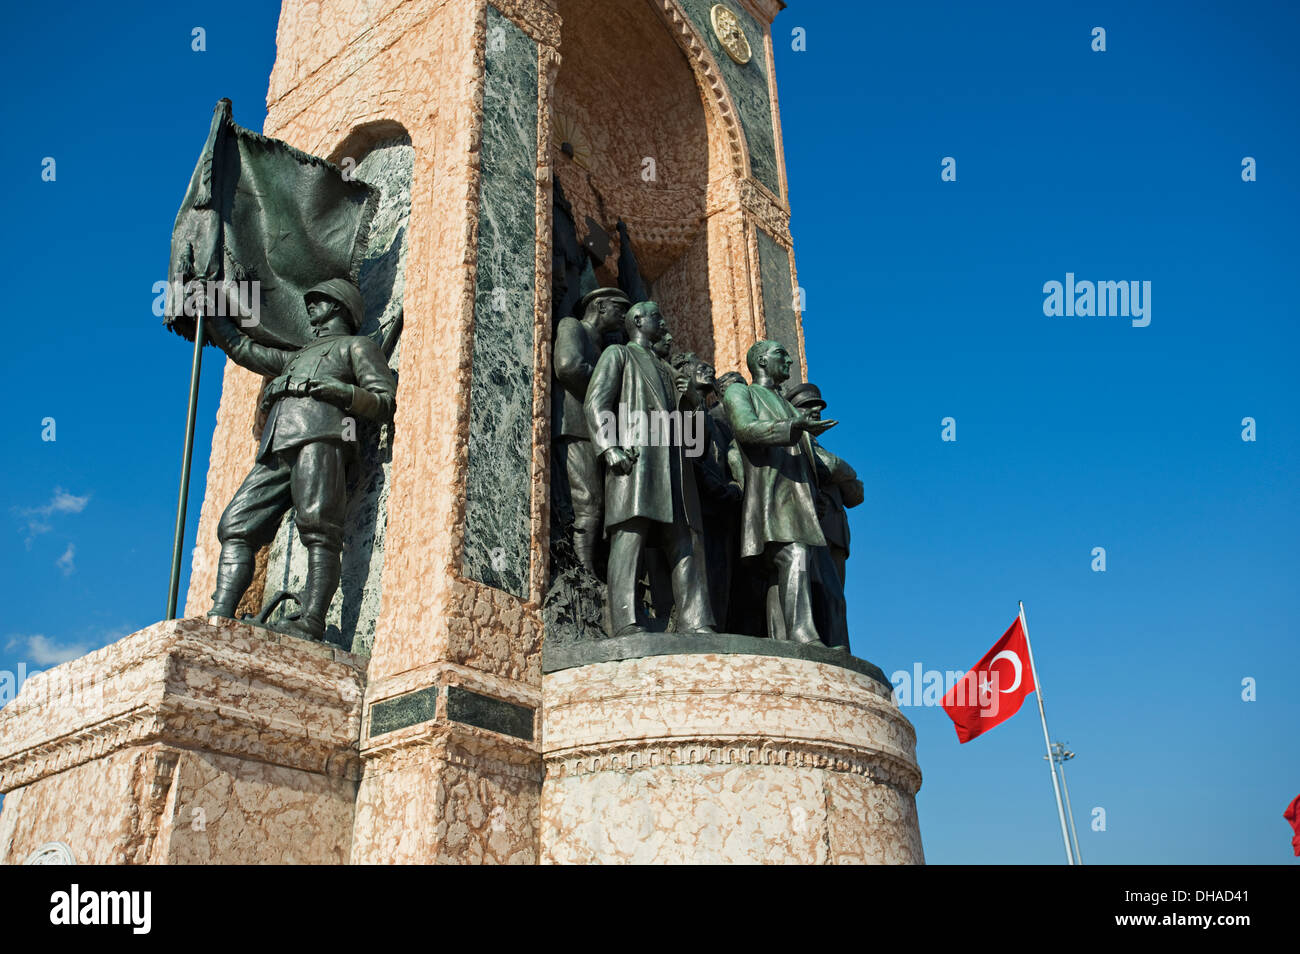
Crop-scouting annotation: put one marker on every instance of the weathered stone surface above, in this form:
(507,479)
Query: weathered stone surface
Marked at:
(189,741)
(726,759)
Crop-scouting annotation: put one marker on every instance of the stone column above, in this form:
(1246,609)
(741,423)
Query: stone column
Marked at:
(454,677)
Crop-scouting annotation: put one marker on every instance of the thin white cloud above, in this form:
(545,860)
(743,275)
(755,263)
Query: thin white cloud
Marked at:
(43,651)
(66,562)
(38,518)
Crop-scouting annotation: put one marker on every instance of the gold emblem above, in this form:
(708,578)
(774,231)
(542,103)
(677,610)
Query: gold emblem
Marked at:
(726,26)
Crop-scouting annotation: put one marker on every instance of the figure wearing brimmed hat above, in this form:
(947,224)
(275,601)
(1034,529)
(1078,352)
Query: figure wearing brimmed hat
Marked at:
(578,344)
(308,440)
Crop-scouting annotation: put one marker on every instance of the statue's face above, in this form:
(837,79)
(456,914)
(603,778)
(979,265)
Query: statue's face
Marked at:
(778,364)
(321,311)
(664,346)
(652,324)
(813,412)
(704,375)
(610,315)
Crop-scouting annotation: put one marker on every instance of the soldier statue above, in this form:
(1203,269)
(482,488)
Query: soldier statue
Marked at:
(578,344)
(650,489)
(837,487)
(779,521)
(307,442)
(838,483)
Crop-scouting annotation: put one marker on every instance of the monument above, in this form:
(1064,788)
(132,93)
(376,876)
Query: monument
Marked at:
(561,597)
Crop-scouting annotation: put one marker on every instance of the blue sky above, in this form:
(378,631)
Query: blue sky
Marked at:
(924,301)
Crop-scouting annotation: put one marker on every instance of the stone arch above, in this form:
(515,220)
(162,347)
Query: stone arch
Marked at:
(714,90)
(645,132)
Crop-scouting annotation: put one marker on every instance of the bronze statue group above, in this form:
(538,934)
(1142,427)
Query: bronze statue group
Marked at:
(741,532)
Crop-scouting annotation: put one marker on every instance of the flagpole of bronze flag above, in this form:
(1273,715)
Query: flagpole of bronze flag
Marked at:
(1047,739)
(178,539)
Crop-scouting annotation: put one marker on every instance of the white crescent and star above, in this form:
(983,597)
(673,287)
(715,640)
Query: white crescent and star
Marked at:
(1015,661)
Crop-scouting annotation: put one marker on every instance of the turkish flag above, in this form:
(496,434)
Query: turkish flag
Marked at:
(1292,814)
(992,692)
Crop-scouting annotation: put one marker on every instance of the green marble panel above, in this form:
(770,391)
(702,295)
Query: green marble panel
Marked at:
(498,491)
(495,715)
(778,298)
(410,708)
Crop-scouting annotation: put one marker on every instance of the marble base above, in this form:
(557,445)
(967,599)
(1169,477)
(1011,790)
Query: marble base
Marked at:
(191,741)
(452,772)
(726,759)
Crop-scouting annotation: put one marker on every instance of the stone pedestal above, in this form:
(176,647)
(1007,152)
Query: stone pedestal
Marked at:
(187,742)
(717,758)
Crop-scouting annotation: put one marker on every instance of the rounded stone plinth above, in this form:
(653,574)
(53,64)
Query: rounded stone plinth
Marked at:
(723,758)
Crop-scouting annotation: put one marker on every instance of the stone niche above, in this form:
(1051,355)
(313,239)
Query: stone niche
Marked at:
(385,163)
(631,141)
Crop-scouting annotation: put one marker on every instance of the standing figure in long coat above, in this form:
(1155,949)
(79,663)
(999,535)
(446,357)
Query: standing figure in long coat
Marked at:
(650,492)
(779,514)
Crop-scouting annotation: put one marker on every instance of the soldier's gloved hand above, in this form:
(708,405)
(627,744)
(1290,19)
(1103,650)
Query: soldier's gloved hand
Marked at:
(331,392)
(620,461)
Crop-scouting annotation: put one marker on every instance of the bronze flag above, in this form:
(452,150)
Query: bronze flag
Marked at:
(261,223)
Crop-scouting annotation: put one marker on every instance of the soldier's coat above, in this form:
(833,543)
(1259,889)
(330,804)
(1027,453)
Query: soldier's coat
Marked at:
(343,359)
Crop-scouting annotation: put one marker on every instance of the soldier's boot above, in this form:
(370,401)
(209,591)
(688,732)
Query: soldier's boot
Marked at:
(234,573)
(584,545)
(324,567)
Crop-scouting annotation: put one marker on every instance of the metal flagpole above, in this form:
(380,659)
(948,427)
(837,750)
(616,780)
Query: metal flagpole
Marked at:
(1066,755)
(1047,739)
(178,539)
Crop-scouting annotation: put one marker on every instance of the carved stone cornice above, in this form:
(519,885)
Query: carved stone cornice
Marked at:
(631,756)
(734,193)
(221,687)
(537,18)
(464,746)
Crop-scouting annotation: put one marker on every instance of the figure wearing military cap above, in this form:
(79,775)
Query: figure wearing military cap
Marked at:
(307,442)
(578,344)
(838,487)
(838,483)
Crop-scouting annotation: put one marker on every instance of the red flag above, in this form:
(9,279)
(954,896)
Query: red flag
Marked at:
(992,692)
(1292,814)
